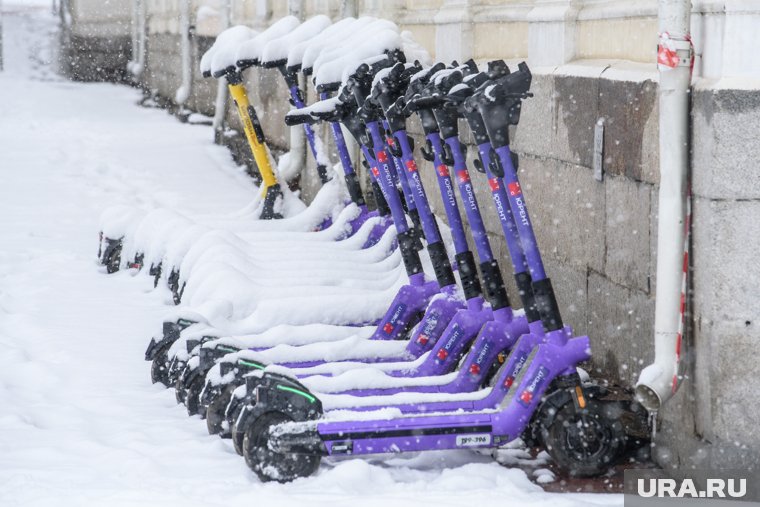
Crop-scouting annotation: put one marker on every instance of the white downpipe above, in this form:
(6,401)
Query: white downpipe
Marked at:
(220,106)
(659,381)
(183,92)
(137,64)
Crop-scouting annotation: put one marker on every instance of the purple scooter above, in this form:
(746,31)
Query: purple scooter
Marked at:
(429,329)
(457,326)
(465,324)
(538,382)
(497,336)
(409,303)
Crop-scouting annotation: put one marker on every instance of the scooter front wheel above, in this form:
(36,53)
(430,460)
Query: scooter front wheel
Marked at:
(267,464)
(189,394)
(585,442)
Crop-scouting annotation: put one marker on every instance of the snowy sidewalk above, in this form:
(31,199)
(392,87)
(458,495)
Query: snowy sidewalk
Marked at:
(81,424)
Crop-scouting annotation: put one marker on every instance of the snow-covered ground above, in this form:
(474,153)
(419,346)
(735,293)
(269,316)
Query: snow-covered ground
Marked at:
(80,423)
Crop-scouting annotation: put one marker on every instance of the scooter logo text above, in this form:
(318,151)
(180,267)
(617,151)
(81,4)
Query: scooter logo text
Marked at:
(443,353)
(477,366)
(430,323)
(527,396)
(515,371)
(523,213)
(395,316)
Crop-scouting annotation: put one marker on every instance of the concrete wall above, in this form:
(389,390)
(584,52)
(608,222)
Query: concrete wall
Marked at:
(592,60)
(96,41)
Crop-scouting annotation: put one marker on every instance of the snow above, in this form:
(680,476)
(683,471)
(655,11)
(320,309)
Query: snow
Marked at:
(337,70)
(222,53)
(296,53)
(82,426)
(252,49)
(278,49)
(333,36)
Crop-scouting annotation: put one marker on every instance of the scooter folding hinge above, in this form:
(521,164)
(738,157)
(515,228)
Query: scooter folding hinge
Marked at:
(478,163)
(447,157)
(427,151)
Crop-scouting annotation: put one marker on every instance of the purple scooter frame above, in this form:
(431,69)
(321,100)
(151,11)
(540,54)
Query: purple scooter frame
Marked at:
(486,418)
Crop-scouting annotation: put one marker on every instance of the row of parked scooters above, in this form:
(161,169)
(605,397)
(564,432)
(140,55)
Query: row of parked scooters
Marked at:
(276,340)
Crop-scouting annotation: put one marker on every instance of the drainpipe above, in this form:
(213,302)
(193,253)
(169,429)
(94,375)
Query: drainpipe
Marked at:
(220,106)
(660,380)
(1,35)
(183,92)
(348,8)
(137,64)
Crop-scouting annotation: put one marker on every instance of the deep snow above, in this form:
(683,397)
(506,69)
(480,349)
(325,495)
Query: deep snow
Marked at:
(81,424)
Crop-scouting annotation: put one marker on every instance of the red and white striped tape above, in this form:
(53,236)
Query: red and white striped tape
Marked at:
(684,287)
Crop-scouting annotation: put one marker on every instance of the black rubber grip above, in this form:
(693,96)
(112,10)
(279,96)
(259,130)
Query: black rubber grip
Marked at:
(409,253)
(267,212)
(525,289)
(354,189)
(415,216)
(291,78)
(405,205)
(322,172)
(382,205)
(256,125)
(494,283)
(440,259)
(468,273)
(546,302)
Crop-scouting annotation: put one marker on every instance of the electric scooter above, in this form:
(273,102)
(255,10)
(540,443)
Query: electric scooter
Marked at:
(538,383)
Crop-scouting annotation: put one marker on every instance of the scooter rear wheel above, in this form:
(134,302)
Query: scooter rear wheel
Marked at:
(216,423)
(192,395)
(113,260)
(585,442)
(237,434)
(267,464)
(159,367)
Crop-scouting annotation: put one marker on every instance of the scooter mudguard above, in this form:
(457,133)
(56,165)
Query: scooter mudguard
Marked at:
(171,331)
(109,254)
(279,393)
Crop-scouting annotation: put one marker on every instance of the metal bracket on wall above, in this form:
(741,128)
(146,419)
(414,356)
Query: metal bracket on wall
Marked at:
(598,160)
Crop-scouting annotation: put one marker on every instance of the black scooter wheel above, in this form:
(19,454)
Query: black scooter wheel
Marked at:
(216,423)
(267,464)
(180,393)
(192,395)
(113,260)
(585,442)
(238,438)
(159,367)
